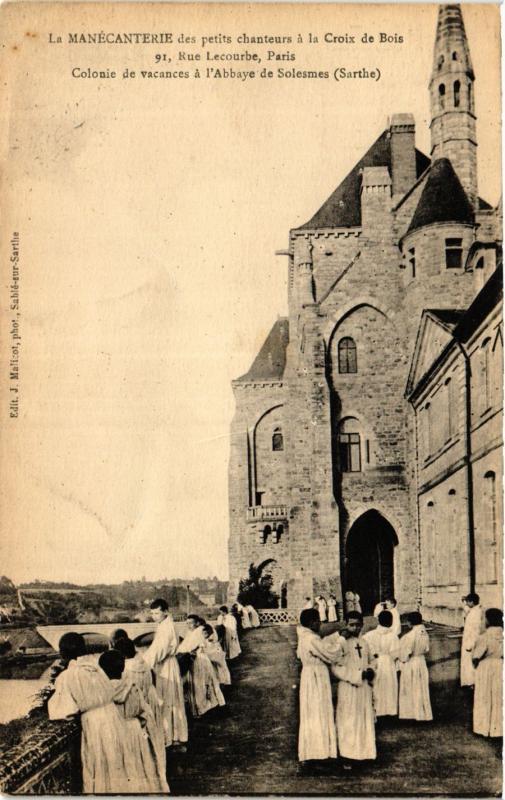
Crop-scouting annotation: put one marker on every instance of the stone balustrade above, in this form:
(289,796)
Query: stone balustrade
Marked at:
(263,513)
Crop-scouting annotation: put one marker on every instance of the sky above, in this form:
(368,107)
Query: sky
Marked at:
(149,213)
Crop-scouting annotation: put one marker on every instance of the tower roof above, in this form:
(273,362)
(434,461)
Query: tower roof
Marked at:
(451,41)
(270,362)
(443,198)
(342,209)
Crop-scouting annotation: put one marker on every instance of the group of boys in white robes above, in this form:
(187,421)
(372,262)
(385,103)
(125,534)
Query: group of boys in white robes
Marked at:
(128,720)
(122,749)
(482,665)
(249,616)
(327,609)
(367,684)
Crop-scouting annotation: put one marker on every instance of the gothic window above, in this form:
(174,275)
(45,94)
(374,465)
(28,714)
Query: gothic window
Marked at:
(454,56)
(347,355)
(349,446)
(277,439)
(453,253)
(412,262)
(453,406)
(457,89)
(441,95)
(267,530)
(426,431)
(484,376)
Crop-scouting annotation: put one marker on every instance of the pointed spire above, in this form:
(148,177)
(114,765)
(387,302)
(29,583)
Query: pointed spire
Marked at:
(451,39)
(453,132)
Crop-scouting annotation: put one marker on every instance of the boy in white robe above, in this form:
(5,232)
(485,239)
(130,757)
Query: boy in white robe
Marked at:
(332,608)
(161,658)
(253,615)
(216,655)
(246,621)
(321,607)
(145,762)
(414,695)
(231,643)
(83,688)
(474,625)
(488,663)
(392,606)
(355,720)
(382,606)
(316,737)
(384,645)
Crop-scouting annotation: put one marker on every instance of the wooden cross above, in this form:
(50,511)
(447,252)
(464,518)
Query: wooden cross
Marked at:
(359,649)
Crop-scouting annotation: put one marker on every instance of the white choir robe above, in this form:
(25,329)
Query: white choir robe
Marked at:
(317,737)
(384,647)
(253,614)
(321,607)
(83,687)
(355,716)
(215,652)
(488,696)
(231,643)
(191,641)
(160,657)
(139,673)
(146,757)
(332,610)
(474,625)
(414,695)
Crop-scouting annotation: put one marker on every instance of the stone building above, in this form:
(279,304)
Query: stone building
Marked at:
(324,468)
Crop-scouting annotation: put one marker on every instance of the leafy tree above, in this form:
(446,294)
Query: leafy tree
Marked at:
(256,589)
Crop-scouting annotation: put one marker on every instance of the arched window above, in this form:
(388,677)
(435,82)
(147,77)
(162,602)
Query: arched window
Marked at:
(457,89)
(265,533)
(454,56)
(440,62)
(277,439)
(441,95)
(347,355)
(349,445)
(470,97)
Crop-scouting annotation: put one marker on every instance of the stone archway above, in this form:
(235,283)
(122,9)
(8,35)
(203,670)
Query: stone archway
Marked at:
(369,556)
(280,580)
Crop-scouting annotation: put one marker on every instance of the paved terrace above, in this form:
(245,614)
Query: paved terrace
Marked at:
(249,747)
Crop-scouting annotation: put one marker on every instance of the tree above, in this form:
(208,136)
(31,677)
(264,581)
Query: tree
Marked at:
(256,589)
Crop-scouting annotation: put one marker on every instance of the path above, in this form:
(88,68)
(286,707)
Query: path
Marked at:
(249,747)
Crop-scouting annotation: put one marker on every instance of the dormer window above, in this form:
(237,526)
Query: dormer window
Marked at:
(453,253)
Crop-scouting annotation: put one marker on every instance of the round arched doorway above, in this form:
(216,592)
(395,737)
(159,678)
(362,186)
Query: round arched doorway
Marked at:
(370,559)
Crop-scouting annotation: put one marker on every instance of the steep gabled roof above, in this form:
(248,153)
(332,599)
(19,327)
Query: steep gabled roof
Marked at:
(443,198)
(270,362)
(434,335)
(343,208)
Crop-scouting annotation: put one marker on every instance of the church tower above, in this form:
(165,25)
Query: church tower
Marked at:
(453,118)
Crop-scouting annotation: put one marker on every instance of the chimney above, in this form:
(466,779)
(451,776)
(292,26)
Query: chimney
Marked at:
(403,153)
